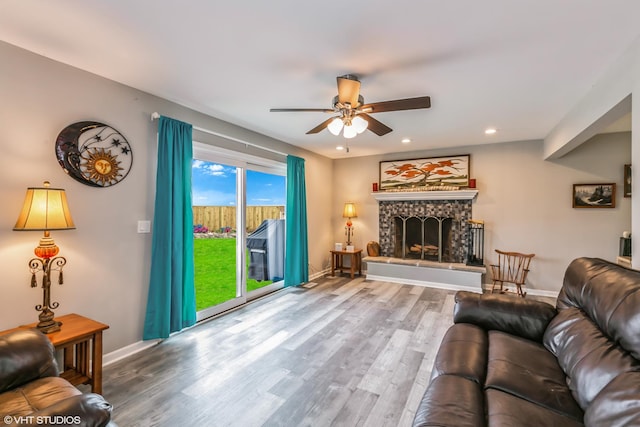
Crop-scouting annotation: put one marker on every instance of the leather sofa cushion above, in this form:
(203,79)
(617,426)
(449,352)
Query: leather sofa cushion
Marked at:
(451,401)
(618,404)
(589,359)
(609,295)
(34,396)
(463,352)
(526,369)
(506,410)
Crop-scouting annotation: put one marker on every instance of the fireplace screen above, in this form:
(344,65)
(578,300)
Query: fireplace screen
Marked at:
(425,238)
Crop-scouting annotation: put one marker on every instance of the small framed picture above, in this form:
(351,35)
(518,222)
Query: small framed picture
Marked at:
(594,195)
(627,181)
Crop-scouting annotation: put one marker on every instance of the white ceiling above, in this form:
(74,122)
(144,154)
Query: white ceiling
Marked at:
(518,66)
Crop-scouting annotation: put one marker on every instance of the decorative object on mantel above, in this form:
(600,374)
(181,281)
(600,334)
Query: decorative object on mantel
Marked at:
(45,209)
(426,188)
(475,250)
(94,154)
(627,181)
(349,212)
(425,173)
(594,195)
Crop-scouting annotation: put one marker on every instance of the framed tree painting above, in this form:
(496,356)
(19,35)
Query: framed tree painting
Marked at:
(426,172)
(594,195)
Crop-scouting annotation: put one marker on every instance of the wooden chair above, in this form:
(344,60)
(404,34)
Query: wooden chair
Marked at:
(512,267)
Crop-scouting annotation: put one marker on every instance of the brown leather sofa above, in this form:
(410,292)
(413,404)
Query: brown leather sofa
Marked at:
(510,361)
(32,393)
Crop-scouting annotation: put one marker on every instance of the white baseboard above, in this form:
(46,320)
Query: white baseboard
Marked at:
(319,274)
(529,291)
(127,351)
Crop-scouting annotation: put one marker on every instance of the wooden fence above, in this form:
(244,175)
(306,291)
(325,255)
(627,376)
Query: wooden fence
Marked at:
(218,217)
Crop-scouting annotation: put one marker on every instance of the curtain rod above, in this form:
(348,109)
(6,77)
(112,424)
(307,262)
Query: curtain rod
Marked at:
(155,115)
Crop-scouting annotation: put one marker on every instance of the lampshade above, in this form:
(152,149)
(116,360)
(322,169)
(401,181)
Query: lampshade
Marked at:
(349,132)
(349,210)
(45,208)
(359,124)
(335,126)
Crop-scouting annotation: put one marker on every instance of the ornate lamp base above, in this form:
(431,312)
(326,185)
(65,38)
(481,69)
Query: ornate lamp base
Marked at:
(47,324)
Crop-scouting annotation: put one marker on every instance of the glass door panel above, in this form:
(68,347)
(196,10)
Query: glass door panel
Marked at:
(265,210)
(215,193)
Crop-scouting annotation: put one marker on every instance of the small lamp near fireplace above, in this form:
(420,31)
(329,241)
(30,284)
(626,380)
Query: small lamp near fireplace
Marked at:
(349,212)
(45,209)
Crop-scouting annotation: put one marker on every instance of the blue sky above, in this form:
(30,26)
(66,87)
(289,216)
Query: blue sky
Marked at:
(214,184)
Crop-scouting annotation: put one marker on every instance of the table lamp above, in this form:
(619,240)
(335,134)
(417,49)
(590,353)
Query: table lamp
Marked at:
(349,212)
(45,209)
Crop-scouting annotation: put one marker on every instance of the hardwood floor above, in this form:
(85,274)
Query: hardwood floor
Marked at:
(340,352)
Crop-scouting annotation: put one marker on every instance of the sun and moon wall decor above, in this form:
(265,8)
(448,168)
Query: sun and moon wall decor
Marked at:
(94,153)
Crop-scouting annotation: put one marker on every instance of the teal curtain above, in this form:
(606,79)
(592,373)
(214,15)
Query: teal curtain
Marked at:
(171,301)
(296,259)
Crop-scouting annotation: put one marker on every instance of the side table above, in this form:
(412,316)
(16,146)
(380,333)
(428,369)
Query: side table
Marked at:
(80,340)
(355,258)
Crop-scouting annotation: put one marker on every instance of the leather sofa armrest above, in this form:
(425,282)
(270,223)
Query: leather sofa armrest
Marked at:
(25,355)
(522,317)
(83,410)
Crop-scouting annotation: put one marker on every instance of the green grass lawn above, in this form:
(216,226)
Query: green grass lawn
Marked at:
(215,272)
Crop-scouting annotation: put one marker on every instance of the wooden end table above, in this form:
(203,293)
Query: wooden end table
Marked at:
(337,261)
(80,340)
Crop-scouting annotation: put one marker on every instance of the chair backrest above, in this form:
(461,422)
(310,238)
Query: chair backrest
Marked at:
(512,267)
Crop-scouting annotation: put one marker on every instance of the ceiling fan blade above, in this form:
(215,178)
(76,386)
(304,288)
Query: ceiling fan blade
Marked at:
(397,105)
(321,126)
(348,90)
(297,110)
(376,126)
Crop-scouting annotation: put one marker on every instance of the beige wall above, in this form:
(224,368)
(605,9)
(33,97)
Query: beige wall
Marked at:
(524,200)
(106,276)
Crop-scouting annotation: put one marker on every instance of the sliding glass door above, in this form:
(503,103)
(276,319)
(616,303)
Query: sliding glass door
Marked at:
(266,195)
(238,211)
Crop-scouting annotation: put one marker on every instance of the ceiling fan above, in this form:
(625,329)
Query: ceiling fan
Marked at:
(353,115)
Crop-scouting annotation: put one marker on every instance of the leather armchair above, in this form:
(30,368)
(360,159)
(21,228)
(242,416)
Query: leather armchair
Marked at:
(32,393)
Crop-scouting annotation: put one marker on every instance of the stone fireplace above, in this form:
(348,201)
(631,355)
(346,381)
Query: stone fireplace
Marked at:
(433,230)
(423,239)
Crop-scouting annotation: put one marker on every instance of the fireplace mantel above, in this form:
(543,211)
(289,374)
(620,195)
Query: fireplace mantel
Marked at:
(425,195)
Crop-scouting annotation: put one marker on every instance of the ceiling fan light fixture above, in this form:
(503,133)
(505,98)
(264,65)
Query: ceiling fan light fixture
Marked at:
(335,126)
(349,132)
(360,124)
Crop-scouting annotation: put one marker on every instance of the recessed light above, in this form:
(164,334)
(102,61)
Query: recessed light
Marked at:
(339,147)
(490,131)
(405,140)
